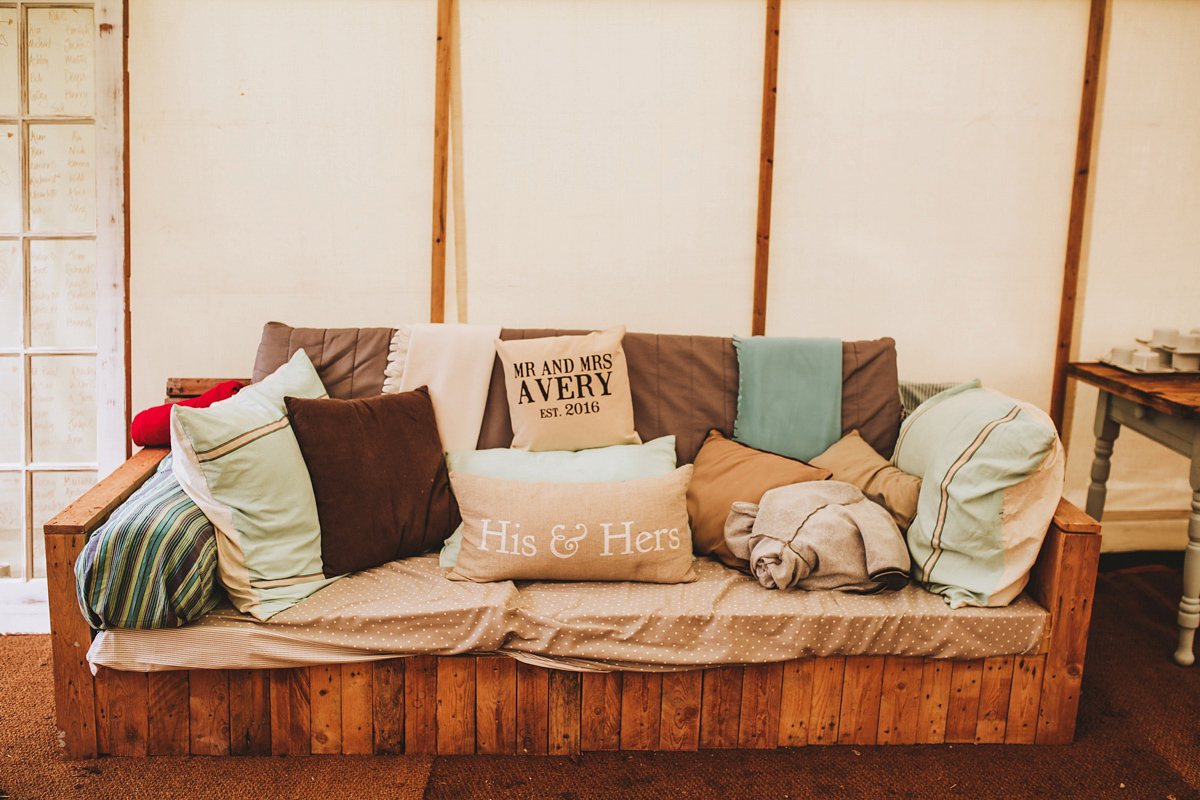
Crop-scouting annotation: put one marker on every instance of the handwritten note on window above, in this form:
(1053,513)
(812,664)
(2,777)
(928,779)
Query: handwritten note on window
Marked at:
(10,179)
(62,293)
(8,62)
(10,410)
(52,492)
(62,403)
(12,525)
(61,55)
(10,293)
(62,178)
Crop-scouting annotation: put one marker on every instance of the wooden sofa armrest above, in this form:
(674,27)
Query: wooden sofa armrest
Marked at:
(66,534)
(184,388)
(1063,581)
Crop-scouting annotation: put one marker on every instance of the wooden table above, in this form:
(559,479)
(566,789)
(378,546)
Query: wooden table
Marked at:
(1165,408)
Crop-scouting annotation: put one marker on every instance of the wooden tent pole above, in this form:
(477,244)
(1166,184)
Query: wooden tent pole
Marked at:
(1079,191)
(766,166)
(441,140)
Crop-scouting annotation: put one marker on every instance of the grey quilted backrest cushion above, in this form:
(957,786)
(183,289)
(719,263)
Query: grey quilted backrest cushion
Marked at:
(683,385)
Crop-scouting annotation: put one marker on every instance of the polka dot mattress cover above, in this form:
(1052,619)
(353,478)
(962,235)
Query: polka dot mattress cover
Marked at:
(409,607)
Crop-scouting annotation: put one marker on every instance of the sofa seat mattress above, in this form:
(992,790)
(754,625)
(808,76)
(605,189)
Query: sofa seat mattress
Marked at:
(409,607)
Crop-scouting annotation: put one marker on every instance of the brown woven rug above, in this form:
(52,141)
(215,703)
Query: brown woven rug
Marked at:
(1138,736)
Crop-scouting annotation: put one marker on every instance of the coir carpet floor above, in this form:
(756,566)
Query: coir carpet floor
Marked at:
(1138,736)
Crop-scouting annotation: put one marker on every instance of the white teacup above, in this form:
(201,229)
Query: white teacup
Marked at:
(1188,342)
(1147,360)
(1121,356)
(1164,337)
(1189,362)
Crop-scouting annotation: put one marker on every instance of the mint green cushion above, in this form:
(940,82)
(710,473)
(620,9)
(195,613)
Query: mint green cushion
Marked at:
(789,395)
(239,462)
(991,472)
(620,462)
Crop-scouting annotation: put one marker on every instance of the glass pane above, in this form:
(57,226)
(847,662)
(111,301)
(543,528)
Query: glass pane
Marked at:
(10,410)
(8,61)
(63,404)
(12,525)
(62,75)
(62,293)
(10,179)
(10,294)
(62,178)
(52,492)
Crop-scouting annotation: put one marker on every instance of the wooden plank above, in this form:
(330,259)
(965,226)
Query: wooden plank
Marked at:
(720,707)
(1070,518)
(455,705)
(766,168)
(795,702)
(826,710)
(900,700)
(325,721)
(441,161)
(861,685)
(281,712)
(101,688)
(357,705)
(495,704)
(168,713)
(935,701)
(533,701)
(994,693)
(641,710)
(1079,191)
(1023,703)
(601,717)
(387,691)
(758,724)
(300,735)
(249,712)
(1071,611)
(208,707)
(70,637)
(420,705)
(86,513)
(962,716)
(187,388)
(679,726)
(128,693)
(564,707)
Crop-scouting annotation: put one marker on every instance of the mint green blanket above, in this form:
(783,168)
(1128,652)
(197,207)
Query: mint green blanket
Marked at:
(789,395)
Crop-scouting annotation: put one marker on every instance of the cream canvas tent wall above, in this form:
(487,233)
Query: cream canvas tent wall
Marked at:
(605,166)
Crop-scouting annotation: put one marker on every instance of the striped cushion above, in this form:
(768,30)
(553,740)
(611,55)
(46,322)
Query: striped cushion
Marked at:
(153,564)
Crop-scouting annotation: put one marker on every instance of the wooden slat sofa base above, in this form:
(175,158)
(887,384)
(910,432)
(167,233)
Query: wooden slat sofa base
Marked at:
(494,704)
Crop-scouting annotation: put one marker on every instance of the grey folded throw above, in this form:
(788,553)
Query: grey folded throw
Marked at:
(819,535)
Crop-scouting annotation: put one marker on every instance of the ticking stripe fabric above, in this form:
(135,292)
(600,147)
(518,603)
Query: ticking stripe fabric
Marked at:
(153,564)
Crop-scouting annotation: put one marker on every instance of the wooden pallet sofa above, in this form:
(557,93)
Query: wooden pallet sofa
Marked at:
(489,703)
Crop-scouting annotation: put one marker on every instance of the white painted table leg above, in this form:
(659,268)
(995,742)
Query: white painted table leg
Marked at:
(1106,434)
(1189,605)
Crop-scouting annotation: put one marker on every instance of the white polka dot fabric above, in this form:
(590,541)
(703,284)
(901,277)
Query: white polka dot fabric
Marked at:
(409,607)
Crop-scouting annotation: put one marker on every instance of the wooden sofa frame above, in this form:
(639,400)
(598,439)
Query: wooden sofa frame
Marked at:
(494,704)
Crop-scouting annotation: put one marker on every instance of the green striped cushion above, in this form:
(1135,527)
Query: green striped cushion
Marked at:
(153,564)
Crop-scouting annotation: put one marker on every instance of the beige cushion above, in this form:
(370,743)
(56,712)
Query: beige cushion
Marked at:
(852,460)
(728,472)
(631,530)
(568,392)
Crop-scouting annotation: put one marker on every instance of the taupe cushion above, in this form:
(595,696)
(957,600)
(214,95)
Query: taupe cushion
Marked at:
(681,385)
(854,461)
(623,531)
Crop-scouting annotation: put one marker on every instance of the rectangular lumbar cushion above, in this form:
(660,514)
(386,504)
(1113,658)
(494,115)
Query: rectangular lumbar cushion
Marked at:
(619,462)
(378,475)
(631,530)
(991,473)
(240,463)
(568,392)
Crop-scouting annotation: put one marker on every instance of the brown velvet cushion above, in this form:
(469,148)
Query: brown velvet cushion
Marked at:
(852,460)
(727,472)
(379,476)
